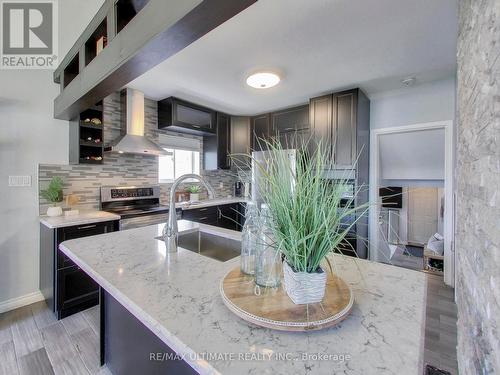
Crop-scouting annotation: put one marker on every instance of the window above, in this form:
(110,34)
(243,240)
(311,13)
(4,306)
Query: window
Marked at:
(176,164)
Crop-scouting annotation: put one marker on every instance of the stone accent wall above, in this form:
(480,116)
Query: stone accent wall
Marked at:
(84,180)
(478,181)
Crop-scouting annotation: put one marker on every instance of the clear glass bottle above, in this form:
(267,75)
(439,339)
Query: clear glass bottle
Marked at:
(249,239)
(268,259)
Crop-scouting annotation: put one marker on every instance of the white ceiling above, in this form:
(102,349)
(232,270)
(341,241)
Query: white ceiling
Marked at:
(317,46)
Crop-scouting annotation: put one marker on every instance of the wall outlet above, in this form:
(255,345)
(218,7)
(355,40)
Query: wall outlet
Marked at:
(19,181)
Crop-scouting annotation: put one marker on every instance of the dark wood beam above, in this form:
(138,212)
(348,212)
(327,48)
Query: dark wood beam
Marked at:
(100,15)
(160,30)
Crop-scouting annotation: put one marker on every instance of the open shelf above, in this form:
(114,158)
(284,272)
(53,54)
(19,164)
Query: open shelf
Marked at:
(89,151)
(97,42)
(72,70)
(126,10)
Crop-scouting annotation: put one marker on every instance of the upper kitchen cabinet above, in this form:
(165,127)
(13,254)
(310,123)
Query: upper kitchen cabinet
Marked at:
(291,126)
(224,150)
(240,142)
(182,116)
(217,148)
(261,129)
(342,122)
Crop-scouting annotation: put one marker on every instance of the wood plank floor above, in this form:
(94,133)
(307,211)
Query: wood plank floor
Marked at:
(33,342)
(440,348)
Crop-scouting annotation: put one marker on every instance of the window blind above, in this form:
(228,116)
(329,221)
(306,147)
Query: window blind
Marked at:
(179,142)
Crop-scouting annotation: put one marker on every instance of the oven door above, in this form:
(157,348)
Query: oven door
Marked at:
(143,220)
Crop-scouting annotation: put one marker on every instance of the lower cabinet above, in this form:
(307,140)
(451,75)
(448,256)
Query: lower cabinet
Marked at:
(229,216)
(66,287)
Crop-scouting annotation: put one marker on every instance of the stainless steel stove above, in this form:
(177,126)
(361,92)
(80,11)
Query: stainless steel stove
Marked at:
(138,206)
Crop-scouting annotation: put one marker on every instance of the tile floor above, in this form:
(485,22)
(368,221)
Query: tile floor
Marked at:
(33,342)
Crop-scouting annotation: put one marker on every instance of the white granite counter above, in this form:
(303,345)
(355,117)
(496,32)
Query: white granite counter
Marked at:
(176,296)
(84,217)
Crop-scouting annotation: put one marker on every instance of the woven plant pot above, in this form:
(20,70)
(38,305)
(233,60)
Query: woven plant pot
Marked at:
(304,287)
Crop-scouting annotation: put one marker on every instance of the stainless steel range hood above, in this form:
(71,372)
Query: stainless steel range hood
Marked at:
(133,140)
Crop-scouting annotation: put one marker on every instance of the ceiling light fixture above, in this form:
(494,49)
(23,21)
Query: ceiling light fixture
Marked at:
(263,80)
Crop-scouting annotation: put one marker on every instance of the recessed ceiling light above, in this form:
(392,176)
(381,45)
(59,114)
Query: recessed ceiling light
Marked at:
(263,80)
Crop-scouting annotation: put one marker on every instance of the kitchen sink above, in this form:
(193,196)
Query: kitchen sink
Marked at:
(209,245)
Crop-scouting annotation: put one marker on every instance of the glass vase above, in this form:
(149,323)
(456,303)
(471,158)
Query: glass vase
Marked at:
(268,258)
(249,237)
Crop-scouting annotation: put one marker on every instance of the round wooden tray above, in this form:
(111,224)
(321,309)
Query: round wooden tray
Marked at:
(274,309)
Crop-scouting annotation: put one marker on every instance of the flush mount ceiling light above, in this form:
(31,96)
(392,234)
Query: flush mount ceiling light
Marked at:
(263,80)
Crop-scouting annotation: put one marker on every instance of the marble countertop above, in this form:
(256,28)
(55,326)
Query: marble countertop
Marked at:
(177,297)
(84,217)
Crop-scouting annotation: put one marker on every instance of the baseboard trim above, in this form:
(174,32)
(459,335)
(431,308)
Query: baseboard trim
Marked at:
(15,303)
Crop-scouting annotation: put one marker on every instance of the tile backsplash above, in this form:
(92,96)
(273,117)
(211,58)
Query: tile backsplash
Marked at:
(84,180)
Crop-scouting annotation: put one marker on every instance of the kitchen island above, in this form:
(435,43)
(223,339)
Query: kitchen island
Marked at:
(175,297)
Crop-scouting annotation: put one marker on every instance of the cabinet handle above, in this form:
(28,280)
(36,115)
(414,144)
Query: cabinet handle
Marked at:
(87,226)
(203,209)
(203,218)
(195,126)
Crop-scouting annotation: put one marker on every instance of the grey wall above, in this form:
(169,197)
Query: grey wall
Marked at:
(478,181)
(29,135)
(428,102)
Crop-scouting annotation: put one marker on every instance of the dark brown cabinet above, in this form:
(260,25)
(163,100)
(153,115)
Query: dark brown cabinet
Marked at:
(229,216)
(217,148)
(67,288)
(261,129)
(341,122)
(223,140)
(185,117)
(240,142)
(291,126)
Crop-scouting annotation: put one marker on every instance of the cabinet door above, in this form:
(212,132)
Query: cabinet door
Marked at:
(291,119)
(223,141)
(79,231)
(345,129)
(228,217)
(240,142)
(292,126)
(204,215)
(321,123)
(260,130)
(191,115)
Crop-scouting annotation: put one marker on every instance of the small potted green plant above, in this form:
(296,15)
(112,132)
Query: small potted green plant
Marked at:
(194,193)
(308,211)
(54,194)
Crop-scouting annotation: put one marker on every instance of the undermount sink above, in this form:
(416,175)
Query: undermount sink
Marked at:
(209,245)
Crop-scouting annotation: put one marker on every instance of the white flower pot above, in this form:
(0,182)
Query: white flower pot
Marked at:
(194,197)
(304,287)
(54,211)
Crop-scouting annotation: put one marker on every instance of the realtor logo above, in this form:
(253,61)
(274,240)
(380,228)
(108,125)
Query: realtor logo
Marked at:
(28,34)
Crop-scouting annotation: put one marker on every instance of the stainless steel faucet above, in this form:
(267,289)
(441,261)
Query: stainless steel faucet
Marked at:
(170,231)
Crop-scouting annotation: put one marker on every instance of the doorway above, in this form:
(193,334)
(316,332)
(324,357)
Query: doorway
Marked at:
(417,159)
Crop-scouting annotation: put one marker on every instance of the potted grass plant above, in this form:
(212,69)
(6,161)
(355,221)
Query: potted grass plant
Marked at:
(54,194)
(308,215)
(194,193)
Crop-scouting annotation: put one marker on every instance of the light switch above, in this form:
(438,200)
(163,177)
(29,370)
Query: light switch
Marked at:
(19,181)
(221,185)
